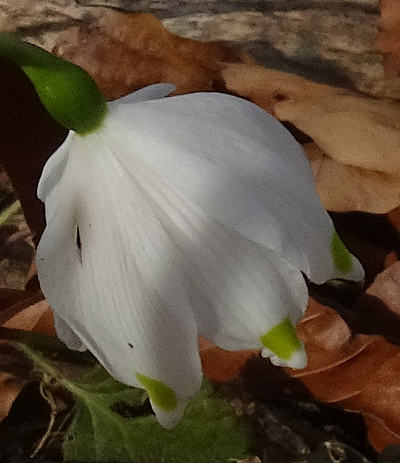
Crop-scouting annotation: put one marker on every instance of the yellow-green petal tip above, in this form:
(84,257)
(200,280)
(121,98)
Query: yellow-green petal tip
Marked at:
(341,256)
(160,394)
(281,340)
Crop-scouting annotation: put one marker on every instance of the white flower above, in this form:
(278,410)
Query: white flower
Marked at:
(178,216)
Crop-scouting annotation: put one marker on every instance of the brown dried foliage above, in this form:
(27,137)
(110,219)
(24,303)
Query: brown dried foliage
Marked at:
(127,52)
(29,315)
(354,149)
(388,40)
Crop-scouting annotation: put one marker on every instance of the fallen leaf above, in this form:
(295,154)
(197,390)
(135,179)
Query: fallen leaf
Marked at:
(35,317)
(221,365)
(378,309)
(388,40)
(386,287)
(355,139)
(18,301)
(364,187)
(124,52)
(357,372)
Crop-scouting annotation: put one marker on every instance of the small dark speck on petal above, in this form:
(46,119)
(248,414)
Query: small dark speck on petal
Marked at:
(78,239)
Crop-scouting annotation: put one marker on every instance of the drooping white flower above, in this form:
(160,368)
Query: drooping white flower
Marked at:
(178,216)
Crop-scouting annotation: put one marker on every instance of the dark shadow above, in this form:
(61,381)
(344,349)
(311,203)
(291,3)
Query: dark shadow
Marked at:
(28,136)
(370,237)
(23,428)
(363,313)
(129,411)
(292,405)
(314,68)
(179,8)
(375,228)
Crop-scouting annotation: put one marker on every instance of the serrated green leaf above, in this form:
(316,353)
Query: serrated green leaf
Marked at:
(209,431)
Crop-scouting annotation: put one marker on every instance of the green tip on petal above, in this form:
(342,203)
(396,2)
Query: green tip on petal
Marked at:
(160,394)
(341,256)
(68,93)
(282,340)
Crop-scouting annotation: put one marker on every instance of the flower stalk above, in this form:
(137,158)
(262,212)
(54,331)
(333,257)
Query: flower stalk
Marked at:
(67,92)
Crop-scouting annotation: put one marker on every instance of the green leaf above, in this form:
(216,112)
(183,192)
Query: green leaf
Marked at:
(208,432)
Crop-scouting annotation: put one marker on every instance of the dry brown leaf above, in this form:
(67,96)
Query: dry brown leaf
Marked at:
(124,52)
(221,365)
(367,187)
(356,147)
(35,317)
(388,40)
(386,287)
(19,300)
(378,309)
(356,139)
(361,373)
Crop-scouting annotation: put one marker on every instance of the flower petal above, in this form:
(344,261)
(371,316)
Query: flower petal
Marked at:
(67,335)
(54,167)
(238,289)
(107,267)
(151,92)
(239,165)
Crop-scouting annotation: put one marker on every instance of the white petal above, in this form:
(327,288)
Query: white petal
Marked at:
(240,166)
(238,289)
(122,293)
(151,92)
(67,336)
(54,167)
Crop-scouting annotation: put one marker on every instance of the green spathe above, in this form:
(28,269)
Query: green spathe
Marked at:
(281,339)
(68,93)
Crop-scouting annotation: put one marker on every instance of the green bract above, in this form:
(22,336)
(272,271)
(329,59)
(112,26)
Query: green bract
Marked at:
(69,94)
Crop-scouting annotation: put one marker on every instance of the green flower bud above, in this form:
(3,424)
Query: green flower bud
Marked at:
(68,93)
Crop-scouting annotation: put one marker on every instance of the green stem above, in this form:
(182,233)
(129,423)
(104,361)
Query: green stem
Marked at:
(9,212)
(38,360)
(68,93)
(31,340)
